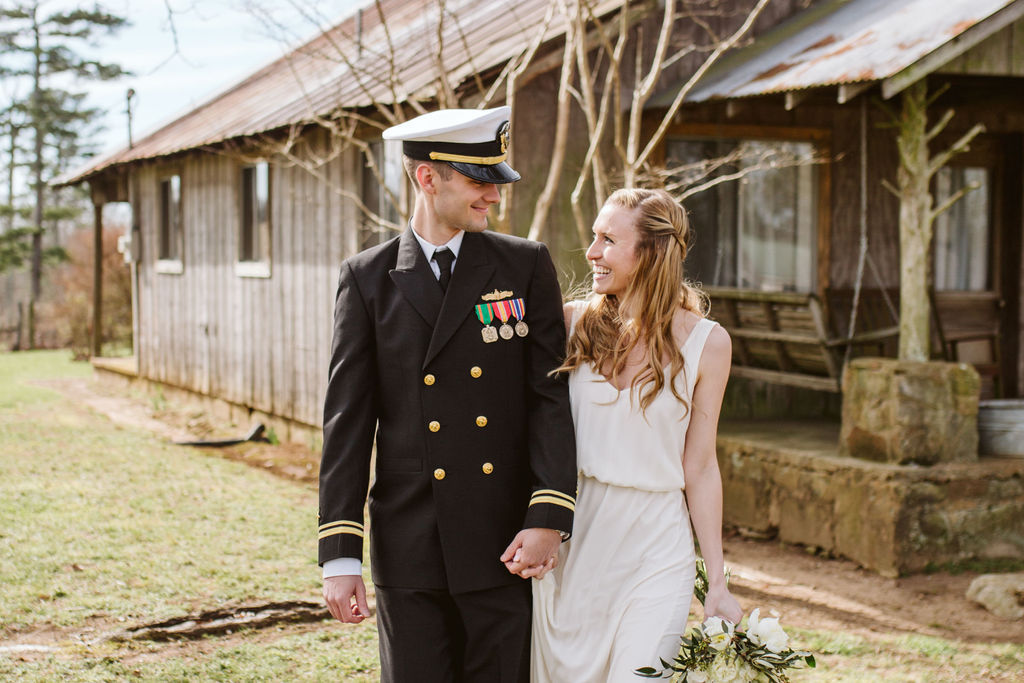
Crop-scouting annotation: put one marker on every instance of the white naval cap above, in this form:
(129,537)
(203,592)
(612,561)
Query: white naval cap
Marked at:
(472,141)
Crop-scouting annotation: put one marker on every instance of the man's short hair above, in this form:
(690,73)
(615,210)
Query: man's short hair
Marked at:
(440,168)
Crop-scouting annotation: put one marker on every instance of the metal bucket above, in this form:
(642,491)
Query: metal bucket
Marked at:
(1001,427)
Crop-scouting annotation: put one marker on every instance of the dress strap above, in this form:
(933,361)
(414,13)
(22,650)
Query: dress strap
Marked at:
(576,307)
(699,335)
(693,347)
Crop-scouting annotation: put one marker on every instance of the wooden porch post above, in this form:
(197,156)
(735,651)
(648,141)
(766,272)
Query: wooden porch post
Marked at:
(97,275)
(914,177)
(915,224)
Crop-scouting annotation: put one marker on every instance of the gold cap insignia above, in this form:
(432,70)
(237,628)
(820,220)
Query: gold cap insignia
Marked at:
(503,137)
(496,295)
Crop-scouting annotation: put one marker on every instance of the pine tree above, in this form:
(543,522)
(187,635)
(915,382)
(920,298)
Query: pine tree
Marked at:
(41,49)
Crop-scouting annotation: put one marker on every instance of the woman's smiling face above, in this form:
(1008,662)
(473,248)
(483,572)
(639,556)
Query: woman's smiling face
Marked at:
(612,254)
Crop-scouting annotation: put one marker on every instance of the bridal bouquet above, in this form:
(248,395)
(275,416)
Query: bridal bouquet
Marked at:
(719,652)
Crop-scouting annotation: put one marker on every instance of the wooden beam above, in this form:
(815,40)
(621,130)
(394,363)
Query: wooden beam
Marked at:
(953,48)
(97,281)
(792,379)
(794,98)
(847,91)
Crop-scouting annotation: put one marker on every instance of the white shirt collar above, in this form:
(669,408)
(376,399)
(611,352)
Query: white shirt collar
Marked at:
(428,249)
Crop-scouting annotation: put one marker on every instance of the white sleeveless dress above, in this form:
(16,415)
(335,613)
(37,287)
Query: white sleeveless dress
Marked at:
(620,596)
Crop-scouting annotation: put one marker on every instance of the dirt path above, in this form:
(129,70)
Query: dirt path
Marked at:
(809,591)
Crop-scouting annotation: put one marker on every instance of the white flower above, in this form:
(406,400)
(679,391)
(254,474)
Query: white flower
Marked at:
(696,676)
(724,670)
(719,632)
(767,632)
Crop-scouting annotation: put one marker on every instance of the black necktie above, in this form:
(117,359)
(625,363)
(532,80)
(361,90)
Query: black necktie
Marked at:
(445,258)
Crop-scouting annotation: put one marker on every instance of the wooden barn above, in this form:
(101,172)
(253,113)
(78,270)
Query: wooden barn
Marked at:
(244,208)
(804,182)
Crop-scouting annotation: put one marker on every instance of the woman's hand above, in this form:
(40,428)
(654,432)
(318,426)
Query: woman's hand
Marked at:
(720,603)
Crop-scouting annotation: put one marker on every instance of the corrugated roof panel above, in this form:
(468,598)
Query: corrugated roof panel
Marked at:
(315,80)
(844,41)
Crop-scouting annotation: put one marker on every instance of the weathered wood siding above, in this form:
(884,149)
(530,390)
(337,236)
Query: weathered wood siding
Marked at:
(259,342)
(1001,54)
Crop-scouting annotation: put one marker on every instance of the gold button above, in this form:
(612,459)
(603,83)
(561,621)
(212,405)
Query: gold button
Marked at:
(429,380)
(439,474)
(481,421)
(434,426)
(487,468)
(476,371)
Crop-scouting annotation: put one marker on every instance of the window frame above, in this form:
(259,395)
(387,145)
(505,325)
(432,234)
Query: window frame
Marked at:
(819,138)
(260,236)
(171,261)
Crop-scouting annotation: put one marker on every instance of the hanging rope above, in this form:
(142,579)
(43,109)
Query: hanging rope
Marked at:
(862,257)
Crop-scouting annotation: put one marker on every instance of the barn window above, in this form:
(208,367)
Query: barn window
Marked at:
(753,212)
(373,226)
(254,226)
(171,242)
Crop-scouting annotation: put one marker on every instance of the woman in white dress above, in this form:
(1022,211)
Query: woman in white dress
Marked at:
(647,376)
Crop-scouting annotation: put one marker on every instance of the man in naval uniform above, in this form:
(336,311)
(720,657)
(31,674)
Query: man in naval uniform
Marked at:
(444,338)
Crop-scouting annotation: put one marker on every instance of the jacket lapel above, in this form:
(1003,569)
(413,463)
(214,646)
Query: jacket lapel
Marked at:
(472,273)
(413,277)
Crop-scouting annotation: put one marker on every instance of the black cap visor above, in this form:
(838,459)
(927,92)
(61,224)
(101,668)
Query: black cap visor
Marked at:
(498,173)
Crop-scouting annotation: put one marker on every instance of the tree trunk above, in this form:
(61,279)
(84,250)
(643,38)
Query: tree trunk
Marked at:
(37,174)
(915,224)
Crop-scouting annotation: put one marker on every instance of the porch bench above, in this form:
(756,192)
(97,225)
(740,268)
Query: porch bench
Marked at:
(786,338)
(964,325)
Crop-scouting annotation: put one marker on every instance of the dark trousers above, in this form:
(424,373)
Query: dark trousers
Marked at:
(429,636)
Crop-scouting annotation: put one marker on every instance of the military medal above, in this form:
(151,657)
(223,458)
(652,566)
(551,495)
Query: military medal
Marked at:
(485,315)
(504,311)
(519,311)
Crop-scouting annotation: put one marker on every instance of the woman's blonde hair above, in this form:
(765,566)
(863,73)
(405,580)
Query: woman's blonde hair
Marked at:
(604,337)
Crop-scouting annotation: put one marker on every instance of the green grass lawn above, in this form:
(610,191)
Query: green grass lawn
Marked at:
(103,528)
(111,526)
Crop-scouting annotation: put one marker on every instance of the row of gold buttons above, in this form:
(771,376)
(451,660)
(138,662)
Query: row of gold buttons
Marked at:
(440,474)
(474,371)
(435,426)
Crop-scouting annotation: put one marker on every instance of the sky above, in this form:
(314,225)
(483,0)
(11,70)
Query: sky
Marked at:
(219,42)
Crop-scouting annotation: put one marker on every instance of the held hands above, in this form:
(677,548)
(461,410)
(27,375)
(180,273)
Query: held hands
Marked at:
(532,553)
(719,602)
(339,594)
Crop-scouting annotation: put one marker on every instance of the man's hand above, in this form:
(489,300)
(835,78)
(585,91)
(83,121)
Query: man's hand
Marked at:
(533,552)
(339,593)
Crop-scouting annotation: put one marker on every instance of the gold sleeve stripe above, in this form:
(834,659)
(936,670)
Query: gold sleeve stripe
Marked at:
(552,492)
(354,525)
(553,501)
(340,530)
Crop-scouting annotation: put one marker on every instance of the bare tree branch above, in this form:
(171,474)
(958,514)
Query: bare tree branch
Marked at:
(547,195)
(956,196)
(719,50)
(940,125)
(961,145)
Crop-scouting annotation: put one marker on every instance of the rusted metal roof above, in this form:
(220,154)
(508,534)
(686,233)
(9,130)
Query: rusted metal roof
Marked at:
(843,42)
(359,62)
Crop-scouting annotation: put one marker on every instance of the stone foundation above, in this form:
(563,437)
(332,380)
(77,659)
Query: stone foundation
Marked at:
(906,412)
(786,480)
